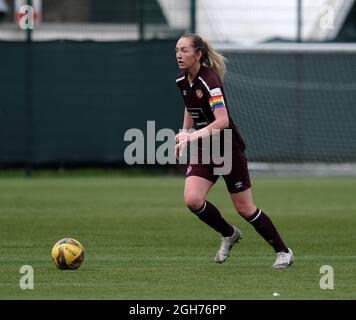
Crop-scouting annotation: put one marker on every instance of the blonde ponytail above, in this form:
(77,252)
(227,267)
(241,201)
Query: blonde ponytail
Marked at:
(215,61)
(209,57)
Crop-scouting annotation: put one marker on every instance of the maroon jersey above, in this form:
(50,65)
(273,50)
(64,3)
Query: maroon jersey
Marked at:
(204,96)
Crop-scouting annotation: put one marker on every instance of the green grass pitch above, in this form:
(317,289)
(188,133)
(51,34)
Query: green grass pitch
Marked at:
(141,242)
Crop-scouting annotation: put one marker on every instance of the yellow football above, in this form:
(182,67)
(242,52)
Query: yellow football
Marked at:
(67,254)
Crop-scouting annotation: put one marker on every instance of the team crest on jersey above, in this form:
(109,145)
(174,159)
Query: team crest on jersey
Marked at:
(199,93)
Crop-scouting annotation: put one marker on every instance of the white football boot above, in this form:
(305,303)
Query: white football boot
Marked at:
(226,244)
(284,259)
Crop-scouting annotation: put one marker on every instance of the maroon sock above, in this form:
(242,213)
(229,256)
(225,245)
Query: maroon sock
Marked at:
(209,214)
(265,227)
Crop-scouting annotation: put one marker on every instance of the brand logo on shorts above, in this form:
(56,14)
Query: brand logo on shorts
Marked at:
(238,185)
(189,169)
(199,93)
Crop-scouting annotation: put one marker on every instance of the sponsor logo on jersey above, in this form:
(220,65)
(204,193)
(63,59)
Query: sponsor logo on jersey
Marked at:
(216,92)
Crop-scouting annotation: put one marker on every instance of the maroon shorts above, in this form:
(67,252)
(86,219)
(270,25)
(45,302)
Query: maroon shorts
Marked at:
(237,180)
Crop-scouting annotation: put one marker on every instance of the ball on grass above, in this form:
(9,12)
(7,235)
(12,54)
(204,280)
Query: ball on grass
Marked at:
(67,254)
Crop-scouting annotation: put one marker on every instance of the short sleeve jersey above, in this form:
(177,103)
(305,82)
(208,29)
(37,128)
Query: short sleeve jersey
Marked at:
(203,97)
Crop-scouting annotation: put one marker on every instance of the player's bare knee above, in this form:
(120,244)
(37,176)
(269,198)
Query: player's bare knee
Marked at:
(193,202)
(245,209)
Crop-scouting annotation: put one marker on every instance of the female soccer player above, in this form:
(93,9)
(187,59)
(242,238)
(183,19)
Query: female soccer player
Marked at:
(200,83)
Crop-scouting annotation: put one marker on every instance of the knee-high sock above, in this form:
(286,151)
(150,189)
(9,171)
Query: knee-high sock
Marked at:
(209,214)
(265,227)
